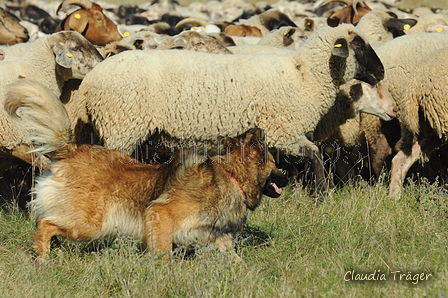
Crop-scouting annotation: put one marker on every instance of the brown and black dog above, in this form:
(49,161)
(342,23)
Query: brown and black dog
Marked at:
(91,192)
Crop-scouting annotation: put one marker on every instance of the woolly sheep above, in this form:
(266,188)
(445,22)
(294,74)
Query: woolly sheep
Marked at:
(431,22)
(268,21)
(424,124)
(51,60)
(285,37)
(194,41)
(380,26)
(399,56)
(226,94)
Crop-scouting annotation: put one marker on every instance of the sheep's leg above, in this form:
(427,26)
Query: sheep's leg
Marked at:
(42,239)
(224,243)
(309,151)
(401,164)
(158,231)
(383,150)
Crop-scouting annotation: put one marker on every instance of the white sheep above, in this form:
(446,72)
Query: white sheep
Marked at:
(431,22)
(399,56)
(380,26)
(51,60)
(424,110)
(284,37)
(197,96)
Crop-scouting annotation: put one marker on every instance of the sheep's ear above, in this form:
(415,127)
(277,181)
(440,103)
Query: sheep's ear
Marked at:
(340,48)
(400,24)
(309,24)
(63,57)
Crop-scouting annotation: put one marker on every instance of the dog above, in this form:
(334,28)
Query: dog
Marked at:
(91,192)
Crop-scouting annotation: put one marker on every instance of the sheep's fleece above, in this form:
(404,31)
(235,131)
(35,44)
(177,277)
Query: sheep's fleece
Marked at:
(198,96)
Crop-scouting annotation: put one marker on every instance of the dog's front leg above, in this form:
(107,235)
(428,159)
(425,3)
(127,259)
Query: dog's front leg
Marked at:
(158,231)
(224,243)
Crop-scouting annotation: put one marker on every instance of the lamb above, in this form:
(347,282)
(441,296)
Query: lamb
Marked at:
(51,60)
(226,94)
(424,111)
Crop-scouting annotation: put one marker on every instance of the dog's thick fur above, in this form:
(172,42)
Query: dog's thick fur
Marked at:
(92,192)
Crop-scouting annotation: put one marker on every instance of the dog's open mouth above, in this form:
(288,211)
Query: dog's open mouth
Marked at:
(273,185)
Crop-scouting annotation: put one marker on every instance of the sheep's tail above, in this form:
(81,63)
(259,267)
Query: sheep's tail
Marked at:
(42,115)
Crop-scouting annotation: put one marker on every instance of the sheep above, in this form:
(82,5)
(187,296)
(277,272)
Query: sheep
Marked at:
(266,22)
(431,22)
(11,31)
(89,21)
(284,37)
(406,52)
(194,41)
(18,49)
(225,94)
(399,56)
(51,60)
(424,111)
(381,26)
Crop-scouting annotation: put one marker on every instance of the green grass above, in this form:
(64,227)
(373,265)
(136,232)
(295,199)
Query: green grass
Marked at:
(292,249)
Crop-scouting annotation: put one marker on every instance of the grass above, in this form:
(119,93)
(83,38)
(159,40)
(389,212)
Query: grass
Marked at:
(292,248)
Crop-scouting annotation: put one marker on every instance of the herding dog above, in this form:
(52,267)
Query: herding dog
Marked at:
(91,192)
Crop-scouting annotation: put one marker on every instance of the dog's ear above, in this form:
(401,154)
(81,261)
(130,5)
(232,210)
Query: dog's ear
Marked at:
(228,141)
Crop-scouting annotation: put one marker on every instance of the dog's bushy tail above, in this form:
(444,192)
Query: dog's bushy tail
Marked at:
(41,114)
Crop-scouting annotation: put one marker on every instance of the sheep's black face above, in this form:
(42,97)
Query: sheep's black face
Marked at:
(370,69)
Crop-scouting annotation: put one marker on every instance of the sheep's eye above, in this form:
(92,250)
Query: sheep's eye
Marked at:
(75,49)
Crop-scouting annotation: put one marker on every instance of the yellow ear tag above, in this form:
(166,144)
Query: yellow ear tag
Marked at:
(69,55)
(195,28)
(109,54)
(406,27)
(438,10)
(440,29)
(338,45)
(126,34)
(308,23)
(286,32)
(77,16)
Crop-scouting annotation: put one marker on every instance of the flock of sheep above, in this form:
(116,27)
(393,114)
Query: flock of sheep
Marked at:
(169,77)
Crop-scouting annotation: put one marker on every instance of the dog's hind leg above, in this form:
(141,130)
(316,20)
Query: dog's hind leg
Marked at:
(42,239)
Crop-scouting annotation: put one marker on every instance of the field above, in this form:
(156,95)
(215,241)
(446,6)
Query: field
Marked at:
(291,247)
(357,243)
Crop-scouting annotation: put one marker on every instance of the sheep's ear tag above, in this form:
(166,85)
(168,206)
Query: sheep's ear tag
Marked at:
(406,27)
(77,16)
(355,82)
(440,29)
(63,57)
(340,48)
(126,34)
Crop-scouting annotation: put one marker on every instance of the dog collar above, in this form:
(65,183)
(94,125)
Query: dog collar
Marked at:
(237,183)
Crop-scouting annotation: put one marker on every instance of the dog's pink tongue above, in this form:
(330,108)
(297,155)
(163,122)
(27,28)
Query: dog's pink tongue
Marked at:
(277,190)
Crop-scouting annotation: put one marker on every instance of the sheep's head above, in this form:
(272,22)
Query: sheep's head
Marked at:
(90,21)
(352,56)
(74,54)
